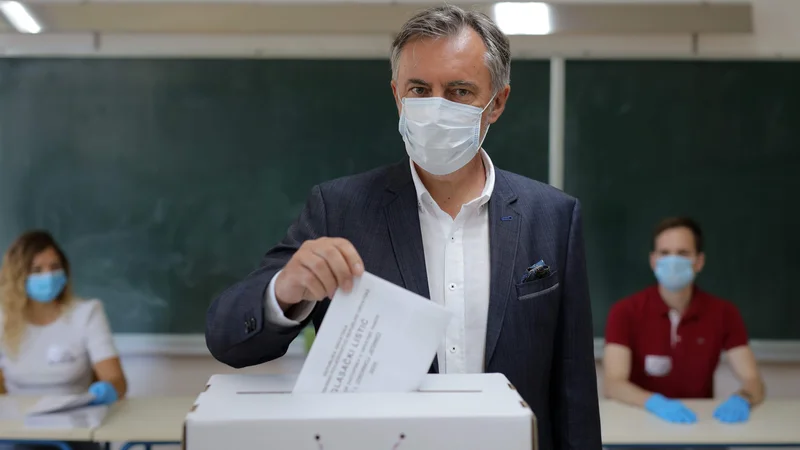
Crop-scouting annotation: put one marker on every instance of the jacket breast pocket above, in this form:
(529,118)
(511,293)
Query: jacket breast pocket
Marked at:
(538,288)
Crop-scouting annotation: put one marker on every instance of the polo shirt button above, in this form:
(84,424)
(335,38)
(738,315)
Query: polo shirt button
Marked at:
(452,286)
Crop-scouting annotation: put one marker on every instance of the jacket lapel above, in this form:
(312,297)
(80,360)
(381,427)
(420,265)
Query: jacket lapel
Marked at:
(504,226)
(402,215)
(404,232)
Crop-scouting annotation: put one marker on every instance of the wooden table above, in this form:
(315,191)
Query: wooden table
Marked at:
(776,423)
(12,426)
(145,421)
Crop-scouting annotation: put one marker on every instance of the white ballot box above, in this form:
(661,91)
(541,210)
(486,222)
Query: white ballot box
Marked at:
(459,412)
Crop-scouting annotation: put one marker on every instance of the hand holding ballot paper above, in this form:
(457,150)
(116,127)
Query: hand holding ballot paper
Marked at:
(378,337)
(316,270)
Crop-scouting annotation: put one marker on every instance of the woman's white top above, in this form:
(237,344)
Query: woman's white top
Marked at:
(58,358)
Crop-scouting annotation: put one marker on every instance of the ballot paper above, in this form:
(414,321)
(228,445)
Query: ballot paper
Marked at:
(58,403)
(65,411)
(378,337)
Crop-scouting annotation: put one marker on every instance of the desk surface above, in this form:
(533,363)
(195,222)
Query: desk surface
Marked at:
(12,412)
(145,419)
(774,422)
(161,419)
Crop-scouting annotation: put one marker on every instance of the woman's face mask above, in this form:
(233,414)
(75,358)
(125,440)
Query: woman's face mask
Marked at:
(45,287)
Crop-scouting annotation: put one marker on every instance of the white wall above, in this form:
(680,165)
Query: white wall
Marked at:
(776,35)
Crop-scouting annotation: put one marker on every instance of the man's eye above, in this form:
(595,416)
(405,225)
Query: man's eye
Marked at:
(462,92)
(418,90)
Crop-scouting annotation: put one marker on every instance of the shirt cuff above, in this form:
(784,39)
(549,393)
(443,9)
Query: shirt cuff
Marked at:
(275,315)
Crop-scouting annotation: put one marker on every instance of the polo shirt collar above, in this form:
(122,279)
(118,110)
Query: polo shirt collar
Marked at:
(696,305)
(693,310)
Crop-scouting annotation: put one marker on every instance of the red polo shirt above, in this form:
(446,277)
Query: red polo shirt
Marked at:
(681,366)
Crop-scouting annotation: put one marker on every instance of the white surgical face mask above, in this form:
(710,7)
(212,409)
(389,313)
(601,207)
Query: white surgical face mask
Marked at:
(441,136)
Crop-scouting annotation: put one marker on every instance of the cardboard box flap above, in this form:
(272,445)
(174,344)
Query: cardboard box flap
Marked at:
(269,406)
(488,382)
(251,382)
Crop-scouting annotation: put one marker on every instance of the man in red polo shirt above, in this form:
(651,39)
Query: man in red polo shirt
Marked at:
(664,343)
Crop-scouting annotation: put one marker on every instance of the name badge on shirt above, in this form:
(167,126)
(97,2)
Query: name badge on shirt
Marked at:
(657,365)
(59,355)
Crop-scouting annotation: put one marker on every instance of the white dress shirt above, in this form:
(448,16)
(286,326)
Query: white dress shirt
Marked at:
(457,259)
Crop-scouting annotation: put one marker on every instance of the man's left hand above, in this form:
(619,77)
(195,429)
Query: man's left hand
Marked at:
(733,410)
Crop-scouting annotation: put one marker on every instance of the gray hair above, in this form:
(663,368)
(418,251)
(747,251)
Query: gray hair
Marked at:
(449,20)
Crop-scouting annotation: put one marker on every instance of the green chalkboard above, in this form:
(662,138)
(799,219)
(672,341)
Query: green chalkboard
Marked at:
(718,141)
(166,180)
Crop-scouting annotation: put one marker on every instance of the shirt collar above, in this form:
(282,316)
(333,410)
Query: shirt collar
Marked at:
(694,309)
(424,196)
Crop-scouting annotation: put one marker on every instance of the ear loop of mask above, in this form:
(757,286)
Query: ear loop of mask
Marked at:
(485,133)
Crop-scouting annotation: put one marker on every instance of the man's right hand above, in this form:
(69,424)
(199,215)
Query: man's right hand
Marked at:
(316,270)
(670,410)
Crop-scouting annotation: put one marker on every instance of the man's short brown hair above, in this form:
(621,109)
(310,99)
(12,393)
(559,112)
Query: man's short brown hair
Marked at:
(680,222)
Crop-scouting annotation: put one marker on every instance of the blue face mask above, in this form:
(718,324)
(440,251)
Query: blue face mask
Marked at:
(47,286)
(674,272)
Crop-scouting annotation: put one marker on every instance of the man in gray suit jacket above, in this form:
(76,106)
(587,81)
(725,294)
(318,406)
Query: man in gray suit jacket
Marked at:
(449,226)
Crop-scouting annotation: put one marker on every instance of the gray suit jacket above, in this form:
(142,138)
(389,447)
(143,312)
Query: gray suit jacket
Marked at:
(539,333)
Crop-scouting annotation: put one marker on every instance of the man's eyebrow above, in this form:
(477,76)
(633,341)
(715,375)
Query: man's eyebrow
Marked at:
(419,81)
(463,83)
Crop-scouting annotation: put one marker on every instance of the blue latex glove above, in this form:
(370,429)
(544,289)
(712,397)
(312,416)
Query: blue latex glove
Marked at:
(734,409)
(669,410)
(104,393)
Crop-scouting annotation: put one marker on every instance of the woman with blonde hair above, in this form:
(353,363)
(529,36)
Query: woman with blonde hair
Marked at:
(52,343)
